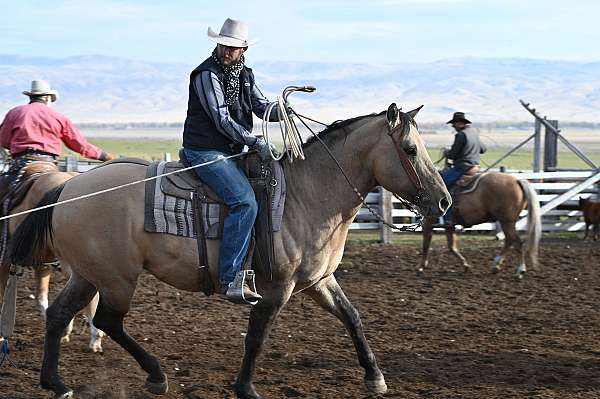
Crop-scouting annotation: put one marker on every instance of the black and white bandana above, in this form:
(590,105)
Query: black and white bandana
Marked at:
(232,76)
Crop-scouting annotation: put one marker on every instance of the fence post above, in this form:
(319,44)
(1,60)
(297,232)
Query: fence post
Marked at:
(71,164)
(537,146)
(550,148)
(167,157)
(385,208)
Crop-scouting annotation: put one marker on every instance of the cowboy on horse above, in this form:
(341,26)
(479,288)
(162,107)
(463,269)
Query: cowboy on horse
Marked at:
(464,154)
(222,98)
(33,133)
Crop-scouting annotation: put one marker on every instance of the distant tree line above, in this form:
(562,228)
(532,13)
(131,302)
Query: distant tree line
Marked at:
(517,125)
(423,126)
(131,125)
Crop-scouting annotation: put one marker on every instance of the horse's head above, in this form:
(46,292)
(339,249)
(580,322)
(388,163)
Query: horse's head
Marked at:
(402,165)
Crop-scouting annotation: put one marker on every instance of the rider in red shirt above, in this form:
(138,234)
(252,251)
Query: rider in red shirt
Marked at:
(36,128)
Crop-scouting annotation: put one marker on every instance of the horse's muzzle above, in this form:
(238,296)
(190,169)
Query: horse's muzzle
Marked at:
(434,207)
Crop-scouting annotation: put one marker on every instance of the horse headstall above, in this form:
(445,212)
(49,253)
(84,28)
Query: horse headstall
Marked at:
(409,168)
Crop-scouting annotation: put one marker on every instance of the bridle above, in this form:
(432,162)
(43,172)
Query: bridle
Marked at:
(420,196)
(409,168)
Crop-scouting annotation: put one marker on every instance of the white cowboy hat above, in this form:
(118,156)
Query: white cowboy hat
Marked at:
(41,88)
(233,34)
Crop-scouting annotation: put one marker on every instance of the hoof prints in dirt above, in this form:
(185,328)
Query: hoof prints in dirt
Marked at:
(445,334)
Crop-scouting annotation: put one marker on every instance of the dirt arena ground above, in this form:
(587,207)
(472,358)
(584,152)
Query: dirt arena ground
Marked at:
(444,335)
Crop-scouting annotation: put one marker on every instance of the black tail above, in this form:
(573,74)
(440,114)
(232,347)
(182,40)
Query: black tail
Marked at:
(31,237)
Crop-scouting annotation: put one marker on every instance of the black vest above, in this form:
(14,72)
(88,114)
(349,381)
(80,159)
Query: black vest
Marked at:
(199,131)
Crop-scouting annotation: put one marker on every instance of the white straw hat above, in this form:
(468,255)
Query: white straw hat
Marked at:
(233,34)
(41,88)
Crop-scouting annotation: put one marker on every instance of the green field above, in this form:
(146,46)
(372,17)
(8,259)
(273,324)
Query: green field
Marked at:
(156,148)
(465,239)
(523,158)
(142,148)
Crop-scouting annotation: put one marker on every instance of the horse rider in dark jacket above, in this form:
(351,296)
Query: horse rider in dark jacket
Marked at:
(464,153)
(222,98)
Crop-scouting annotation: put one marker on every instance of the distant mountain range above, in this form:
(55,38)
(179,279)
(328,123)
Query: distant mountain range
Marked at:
(96,88)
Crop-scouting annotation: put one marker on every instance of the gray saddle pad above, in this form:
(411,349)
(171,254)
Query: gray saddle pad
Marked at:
(168,203)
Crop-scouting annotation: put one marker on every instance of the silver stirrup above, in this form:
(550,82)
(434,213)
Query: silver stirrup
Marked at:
(235,292)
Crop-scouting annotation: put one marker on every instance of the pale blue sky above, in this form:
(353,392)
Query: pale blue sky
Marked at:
(363,31)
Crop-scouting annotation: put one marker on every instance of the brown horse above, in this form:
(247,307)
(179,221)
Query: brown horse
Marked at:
(497,197)
(42,184)
(108,252)
(591,216)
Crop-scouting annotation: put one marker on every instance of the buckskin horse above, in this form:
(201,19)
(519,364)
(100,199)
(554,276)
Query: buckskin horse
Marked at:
(591,216)
(42,180)
(494,197)
(108,253)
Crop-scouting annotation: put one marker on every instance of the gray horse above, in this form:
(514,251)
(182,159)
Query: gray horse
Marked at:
(384,149)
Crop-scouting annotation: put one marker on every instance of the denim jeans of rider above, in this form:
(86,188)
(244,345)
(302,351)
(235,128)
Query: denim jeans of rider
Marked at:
(450,177)
(228,181)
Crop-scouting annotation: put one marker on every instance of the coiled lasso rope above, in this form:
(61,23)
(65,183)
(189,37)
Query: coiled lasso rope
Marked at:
(292,141)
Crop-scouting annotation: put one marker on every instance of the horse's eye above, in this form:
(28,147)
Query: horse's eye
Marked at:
(411,150)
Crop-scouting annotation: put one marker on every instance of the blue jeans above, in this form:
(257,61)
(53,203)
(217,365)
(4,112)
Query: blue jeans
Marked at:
(450,177)
(232,185)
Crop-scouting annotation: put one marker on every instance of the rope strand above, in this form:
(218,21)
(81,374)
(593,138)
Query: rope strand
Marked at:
(123,186)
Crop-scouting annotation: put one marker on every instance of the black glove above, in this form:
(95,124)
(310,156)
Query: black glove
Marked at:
(289,109)
(263,149)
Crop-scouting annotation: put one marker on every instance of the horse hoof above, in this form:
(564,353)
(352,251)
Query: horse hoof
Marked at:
(246,391)
(65,340)
(157,388)
(420,271)
(495,269)
(95,346)
(377,386)
(94,349)
(65,395)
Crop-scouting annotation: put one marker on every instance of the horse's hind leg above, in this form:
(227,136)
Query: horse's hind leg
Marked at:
(452,240)
(331,297)
(4,273)
(512,241)
(112,308)
(261,321)
(76,294)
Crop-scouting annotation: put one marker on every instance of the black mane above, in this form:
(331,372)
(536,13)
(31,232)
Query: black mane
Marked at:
(339,124)
(405,120)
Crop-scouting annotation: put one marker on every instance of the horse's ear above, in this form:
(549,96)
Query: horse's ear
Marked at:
(392,115)
(414,112)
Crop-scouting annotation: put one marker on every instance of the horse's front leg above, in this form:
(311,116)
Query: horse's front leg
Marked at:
(261,321)
(96,334)
(331,297)
(427,236)
(453,247)
(42,279)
